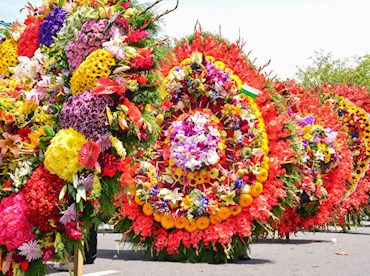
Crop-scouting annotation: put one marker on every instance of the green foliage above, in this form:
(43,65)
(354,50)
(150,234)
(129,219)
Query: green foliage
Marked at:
(326,69)
(110,187)
(36,268)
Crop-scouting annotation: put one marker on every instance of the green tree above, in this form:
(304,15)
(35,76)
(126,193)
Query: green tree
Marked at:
(326,69)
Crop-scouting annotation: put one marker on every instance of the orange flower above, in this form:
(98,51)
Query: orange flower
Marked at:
(190,226)
(158,216)
(224,213)
(148,209)
(235,210)
(202,223)
(181,222)
(214,219)
(167,221)
(256,189)
(245,200)
(138,200)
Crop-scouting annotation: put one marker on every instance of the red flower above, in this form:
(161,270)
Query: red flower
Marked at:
(89,154)
(137,35)
(42,196)
(106,86)
(141,79)
(29,40)
(23,133)
(142,63)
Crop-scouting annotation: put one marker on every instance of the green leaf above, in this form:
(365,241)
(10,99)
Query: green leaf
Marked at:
(75,180)
(78,198)
(62,192)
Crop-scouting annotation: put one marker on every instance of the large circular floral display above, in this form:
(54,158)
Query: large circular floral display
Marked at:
(202,187)
(323,162)
(75,81)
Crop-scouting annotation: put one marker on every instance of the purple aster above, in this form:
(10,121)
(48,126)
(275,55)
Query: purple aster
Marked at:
(86,113)
(51,25)
(104,142)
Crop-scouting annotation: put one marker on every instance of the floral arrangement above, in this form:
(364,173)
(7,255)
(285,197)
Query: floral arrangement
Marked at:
(324,161)
(352,105)
(68,122)
(206,184)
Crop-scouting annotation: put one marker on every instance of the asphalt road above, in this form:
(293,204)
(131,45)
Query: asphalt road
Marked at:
(320,253)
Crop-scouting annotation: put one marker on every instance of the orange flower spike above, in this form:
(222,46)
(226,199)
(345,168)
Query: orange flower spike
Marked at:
(122,123)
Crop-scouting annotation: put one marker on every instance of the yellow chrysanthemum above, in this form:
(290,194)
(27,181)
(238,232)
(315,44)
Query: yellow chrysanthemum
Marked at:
(158,216)
(263,175)
(95,66)
(256,189)
(245,200)
(8,56)
(61,157)
(235,210)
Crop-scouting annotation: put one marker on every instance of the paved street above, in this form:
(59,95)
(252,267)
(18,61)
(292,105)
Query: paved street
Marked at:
(329,253)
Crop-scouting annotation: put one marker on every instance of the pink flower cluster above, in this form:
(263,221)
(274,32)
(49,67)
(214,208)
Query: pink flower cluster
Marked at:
(15,228)
(87,40)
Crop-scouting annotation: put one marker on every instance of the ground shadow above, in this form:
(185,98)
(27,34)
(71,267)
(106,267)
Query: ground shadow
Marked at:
(139,255)
(291,241)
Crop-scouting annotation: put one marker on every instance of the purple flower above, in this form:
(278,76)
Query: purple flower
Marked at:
(307,121)
(69,215)
(51,25)
(86,113)
(87,182)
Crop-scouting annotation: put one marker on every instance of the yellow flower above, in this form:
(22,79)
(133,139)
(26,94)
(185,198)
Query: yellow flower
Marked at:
(202,223)
(256,189)
(61,157)
(228,198)
(95,66)
(186,203)
(245,200)
(214,219)
(235,210)
(158,216)
(177,175)
(263,175)
(192,179)
(214,173)
(8,56)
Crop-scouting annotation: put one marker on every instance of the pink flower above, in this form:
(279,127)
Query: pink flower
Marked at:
(31,250)
(15,228)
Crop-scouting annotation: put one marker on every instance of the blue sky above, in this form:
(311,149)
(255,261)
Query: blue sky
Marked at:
(286,31)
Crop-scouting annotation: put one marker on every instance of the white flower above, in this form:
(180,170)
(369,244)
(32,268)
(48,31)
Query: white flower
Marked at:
(212,157)
(319,155)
